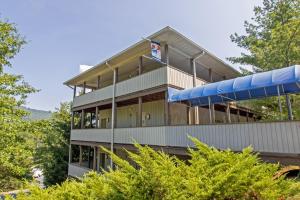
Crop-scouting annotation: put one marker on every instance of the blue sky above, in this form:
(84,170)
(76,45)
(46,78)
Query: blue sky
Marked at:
(62,34)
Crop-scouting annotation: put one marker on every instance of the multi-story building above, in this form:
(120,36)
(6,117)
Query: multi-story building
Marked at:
(125,98)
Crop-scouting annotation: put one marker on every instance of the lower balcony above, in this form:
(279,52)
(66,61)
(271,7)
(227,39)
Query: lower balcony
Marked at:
(270,137)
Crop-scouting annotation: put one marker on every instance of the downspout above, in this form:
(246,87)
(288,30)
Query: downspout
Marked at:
(112,113)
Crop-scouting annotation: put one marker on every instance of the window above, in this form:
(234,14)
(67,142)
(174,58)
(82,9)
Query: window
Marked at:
(87,157)
(75,153)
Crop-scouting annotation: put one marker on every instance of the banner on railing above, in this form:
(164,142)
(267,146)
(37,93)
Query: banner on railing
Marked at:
(155,50)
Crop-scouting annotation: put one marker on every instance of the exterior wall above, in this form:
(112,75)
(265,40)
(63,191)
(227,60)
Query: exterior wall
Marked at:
(127,115)
(274,137)
(156,111)
(178,114)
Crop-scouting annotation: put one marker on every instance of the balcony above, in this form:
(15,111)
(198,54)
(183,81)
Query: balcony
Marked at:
(271,137)
(158,77)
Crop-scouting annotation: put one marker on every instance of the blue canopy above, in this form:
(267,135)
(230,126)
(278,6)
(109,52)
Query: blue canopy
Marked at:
(264,84)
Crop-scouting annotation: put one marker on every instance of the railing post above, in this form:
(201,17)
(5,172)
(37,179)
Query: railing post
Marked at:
(94,158)
(97,117)
(82,119)
(98,82)
(140,101)
(80,155)
(166,109)
(84,87)
(166,47)
(140,65)
(228,112)
(74,91)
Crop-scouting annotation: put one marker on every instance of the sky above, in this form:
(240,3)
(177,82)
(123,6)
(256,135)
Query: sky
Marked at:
(62,34)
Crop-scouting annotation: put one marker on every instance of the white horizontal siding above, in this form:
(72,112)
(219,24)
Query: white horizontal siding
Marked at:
(97,135)
(277,137)
(77,171)
(91,97)
(152,79)
(274,137)
(145,81)
(182,79)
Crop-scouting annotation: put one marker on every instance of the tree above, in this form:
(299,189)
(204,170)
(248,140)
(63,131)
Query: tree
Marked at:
(17,136)
(272,41)
(209,174)
(53,151)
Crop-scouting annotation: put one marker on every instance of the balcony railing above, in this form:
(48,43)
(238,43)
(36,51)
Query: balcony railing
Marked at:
(161,76)
(273,137)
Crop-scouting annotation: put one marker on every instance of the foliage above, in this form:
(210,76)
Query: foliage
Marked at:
(17,136)
(208,174)
(272,41)
(53,151)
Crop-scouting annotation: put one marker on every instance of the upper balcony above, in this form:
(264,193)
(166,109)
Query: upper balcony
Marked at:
(163,76)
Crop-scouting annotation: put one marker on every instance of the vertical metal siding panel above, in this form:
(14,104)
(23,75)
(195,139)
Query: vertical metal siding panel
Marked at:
(285,135)
(271,137)
(295,130)
(274,137)
(279,137)
(291,137)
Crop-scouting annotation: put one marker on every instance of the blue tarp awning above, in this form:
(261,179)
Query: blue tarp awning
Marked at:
(259,85)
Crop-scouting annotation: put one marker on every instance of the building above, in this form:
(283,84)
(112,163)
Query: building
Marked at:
(127,100)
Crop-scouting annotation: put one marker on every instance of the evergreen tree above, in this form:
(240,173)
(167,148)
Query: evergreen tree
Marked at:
(209,174)
(272,41)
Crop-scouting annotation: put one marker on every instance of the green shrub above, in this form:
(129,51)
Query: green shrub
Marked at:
(209,174)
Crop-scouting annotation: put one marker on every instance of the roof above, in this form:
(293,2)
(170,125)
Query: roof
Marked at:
(259,85)
(165,35)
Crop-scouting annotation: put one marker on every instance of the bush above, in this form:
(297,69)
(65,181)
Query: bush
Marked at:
(209,174)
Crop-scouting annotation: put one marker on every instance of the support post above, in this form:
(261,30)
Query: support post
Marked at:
(196,109)
(140,111)
(74,91)
(72,121)
(94,158)
(289,107)
(213,113)
(98,82)
(166,109)
(82,119)
(279,102)
(209,110)
(228,113)
(247,116)
(80,155)
(140,65)
(113,112)
(212,105)
(84,87)
(98,160)
(97,117)
(166,54)
(188,118)
(210,75)
(70,153)
(238,115)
